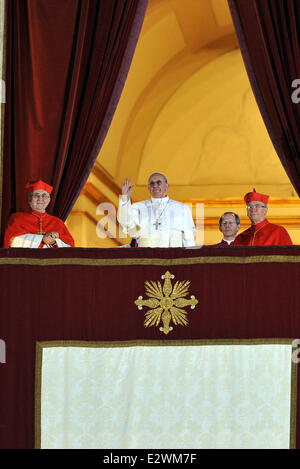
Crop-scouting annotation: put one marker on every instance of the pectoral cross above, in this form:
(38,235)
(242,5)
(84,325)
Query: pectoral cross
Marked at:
(156,224)
(40,218)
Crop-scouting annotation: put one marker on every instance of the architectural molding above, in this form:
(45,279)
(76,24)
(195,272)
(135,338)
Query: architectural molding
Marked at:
(84,213)
(105,178)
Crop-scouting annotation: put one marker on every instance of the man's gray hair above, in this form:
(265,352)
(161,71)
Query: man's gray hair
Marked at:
(159,174)
(237,218)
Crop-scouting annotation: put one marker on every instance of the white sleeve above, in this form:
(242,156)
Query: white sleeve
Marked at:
(188,238)
(189,231)
(30,240)
(128,216)
(61,244)
(27,240)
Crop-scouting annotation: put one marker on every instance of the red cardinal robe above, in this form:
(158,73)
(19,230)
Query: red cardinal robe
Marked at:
(22,223)
(263,234)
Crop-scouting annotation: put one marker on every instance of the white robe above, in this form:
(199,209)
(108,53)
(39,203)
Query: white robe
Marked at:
(30,240)
(157,222)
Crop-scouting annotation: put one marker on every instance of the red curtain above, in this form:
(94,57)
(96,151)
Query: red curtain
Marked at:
(268,34)
(66,64)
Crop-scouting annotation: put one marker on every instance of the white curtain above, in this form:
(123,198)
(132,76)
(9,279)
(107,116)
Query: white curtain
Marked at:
(174,396)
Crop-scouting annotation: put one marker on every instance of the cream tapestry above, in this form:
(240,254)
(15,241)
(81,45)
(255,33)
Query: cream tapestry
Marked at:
(165,395)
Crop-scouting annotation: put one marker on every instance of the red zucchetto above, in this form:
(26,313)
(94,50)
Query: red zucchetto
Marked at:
(255,196)
(38,185)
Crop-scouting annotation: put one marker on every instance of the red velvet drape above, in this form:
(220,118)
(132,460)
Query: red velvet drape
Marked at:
(269,37)
(89,294)
(67,61)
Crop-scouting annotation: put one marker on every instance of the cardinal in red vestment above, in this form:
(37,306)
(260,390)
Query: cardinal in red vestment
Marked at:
(261,232)
(37,229)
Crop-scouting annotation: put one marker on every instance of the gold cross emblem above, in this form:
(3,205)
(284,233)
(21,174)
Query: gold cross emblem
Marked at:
(166,302)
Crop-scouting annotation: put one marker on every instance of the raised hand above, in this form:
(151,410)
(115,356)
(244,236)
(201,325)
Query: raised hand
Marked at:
(127,187)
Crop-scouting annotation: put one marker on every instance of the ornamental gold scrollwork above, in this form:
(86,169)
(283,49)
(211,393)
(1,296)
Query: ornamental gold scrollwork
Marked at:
(166,303)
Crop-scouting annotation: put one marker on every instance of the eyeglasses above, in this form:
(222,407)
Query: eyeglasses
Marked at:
(40,196)
(230,223)
(256,206)
(159,183)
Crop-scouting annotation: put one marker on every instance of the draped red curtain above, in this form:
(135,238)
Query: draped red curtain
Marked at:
(269,38)
(66,64)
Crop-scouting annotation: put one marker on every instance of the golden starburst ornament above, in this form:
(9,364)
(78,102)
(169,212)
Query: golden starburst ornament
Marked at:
(166,302)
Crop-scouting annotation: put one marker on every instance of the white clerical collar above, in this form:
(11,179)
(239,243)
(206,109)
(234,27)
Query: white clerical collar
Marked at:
(228,241)
(157,200)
